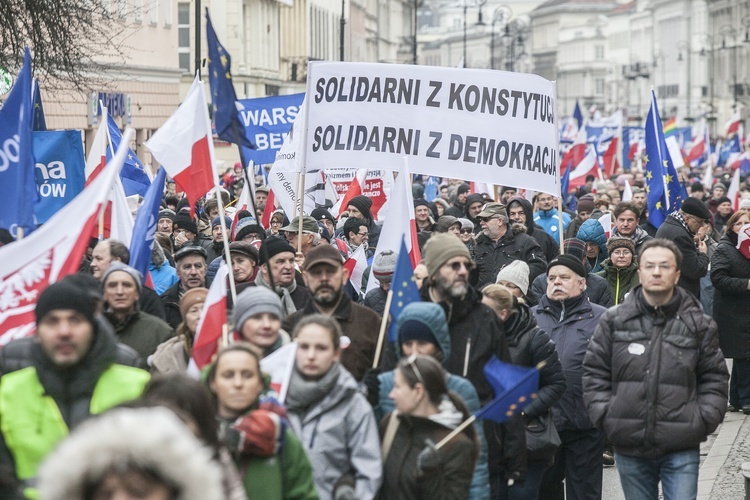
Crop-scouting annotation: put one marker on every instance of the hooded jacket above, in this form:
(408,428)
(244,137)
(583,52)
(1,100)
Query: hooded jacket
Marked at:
(593,232)
(549,221)
(162,273)
(473,198)
(654,377)
(480,486)
(340,436)
(550,246)
(620,281)
(515,244)
(570,324)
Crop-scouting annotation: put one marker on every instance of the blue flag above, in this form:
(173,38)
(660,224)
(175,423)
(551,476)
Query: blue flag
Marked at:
(144,227)
(514,386)
(17,178)
(266,121)
(732,145)
(223,96)
(60,170)
(577,115)
(403,287)
(39,123)
(134,178)
(657,162)
(431,189)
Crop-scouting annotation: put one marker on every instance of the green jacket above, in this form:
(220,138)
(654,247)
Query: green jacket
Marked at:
(31,421)
(620,281)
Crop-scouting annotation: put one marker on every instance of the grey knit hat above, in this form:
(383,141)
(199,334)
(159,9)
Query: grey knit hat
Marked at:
(119,266)
(466,223)
(517,272)
(255,300)
(384,265)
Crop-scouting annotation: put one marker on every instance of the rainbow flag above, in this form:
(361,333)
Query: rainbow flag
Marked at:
(671,126)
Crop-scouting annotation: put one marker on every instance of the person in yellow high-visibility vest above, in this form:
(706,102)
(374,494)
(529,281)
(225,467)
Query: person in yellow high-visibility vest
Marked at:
(50,383)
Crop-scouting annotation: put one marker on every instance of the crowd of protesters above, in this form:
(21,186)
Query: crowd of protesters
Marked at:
(98,403)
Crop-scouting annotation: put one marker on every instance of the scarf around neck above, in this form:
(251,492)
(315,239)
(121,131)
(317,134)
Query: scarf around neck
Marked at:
(303,393)
(284,293)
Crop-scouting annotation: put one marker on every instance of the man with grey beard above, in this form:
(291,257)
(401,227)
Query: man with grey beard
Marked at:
(476,335)
(325,277)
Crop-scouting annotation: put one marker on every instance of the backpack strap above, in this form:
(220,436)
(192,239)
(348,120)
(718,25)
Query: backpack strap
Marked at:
(390,433)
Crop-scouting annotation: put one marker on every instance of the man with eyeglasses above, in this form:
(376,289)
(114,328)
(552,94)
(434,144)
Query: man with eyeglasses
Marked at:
(547,217)
(356,234)
(681,227)
(498,245)
(569,318)
(476,334)
(655,379)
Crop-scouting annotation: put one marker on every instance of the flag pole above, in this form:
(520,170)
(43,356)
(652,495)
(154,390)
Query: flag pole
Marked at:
(383,323)
(560,224)
(227,254)
(301,201)
(455,432)
(19,234)
(225,330)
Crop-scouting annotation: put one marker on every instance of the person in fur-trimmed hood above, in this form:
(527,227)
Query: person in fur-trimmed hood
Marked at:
(497,247)
(145,446)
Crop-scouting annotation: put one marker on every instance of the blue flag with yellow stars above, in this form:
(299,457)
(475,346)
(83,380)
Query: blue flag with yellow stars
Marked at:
(403,287)
(514,386)
(223,96)
(660,173)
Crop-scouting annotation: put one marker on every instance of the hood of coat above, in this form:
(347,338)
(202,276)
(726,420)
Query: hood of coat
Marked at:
(432,318)
(592,231)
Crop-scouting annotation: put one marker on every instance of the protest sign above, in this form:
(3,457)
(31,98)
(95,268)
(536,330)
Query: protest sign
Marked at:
(378,184)
(481,125)
(267,120)
(59,170)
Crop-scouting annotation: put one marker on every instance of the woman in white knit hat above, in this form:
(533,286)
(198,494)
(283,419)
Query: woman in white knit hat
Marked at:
(515,277)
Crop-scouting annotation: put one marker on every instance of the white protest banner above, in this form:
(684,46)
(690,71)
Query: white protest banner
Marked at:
(491,126)
(378,184)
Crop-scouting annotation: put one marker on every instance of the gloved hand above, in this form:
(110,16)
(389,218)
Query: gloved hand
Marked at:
(260,433)
(428,459)
(372,383)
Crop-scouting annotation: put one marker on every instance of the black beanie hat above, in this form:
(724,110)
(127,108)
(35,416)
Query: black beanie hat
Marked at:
(273,246)
(570,262)
(421,202)
(65,295)
(363,204)
(183,221)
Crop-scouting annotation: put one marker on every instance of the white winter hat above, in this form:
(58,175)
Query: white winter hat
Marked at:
(517,272)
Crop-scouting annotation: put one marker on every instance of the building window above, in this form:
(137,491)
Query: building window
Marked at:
(183,35)
(168,13)
(599,52)
(599,86)
(138,11)
(153,12)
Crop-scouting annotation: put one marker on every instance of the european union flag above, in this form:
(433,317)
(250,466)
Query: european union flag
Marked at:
(39,123)
(134,178)
(144,228)
(17,176)
(223,96)
(514,386)
(403,288)
(657,164)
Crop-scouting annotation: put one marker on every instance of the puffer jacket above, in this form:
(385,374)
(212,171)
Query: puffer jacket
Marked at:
(550,246)
(570,324)
(515,244)
(480,485)
(593,232)
(654,378)
(620,281)
(340,436)
(549,221)
(730,272)
(596,288)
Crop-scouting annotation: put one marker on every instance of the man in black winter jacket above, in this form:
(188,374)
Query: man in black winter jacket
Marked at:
(655,379)
(499,244)
(520,211)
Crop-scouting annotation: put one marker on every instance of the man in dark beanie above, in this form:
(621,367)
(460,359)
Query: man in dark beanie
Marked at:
(597,288)
(569,318)
(681,227)
(458,205)
(278,254)
(165,224)
(73,367)
(185,230)
(359,207)
(383,266)
(474,204)
(424,218)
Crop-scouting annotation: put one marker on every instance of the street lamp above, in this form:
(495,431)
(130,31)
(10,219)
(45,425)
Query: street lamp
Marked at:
(685,47)
(501,15)
(515,35)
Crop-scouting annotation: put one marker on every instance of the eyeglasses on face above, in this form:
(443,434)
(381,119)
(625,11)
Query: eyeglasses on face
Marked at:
(466,231)
(364,235)
(456,266)
(622,253)
(412,362)
(487,219)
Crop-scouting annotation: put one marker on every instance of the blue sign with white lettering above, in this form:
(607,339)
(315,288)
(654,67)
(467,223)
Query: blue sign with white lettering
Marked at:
(60,170)
(267,121)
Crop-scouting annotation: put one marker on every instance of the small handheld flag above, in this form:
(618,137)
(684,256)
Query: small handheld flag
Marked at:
(514,386)
(404,289)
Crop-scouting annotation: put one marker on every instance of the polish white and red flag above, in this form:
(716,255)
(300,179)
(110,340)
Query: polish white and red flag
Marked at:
(355,189)
(265,219)
(733,124)
(98,153)
(733,191)
(243,203)
(51,252)
(184,145)
(399,223)
(610,164)
(356,265)
(743,241)
(698,149)
(576,153)
(278,366)
(588,166)
(211,323)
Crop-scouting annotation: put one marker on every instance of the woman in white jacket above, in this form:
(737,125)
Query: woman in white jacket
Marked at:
(331,417)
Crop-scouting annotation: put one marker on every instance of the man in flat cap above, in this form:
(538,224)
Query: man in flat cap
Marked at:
(681,227)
